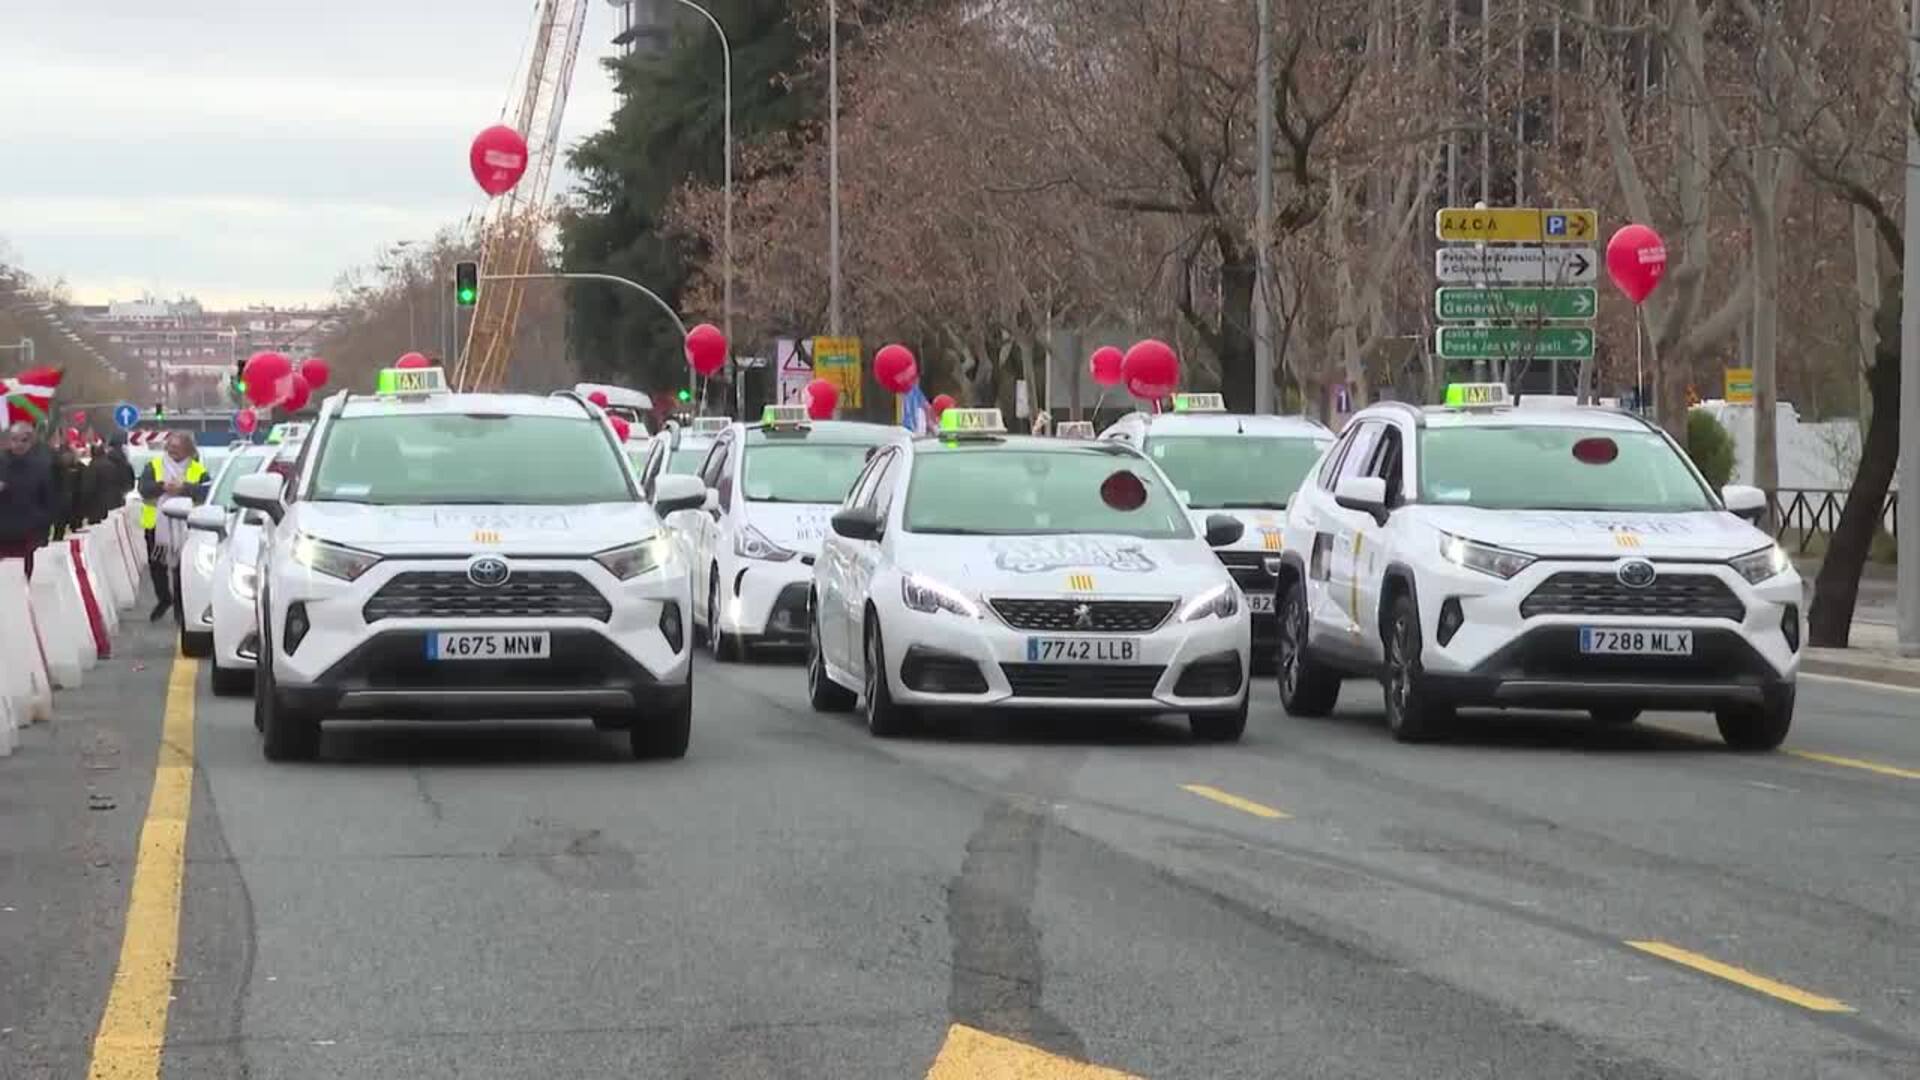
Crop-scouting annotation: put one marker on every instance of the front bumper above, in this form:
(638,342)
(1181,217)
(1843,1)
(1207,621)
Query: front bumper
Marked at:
(766,602)
(234,641)
(944,660)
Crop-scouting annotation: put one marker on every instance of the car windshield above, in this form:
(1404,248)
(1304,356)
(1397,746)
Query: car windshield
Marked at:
(1541,467)
(242,465)
(1229,471)
(801,471)
(1014,492)
(460,458)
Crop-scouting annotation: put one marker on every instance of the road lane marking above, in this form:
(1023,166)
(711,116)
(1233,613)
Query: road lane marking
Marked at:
(1740,976)
(971,1054)
(1864,684)
(133,1026)
(1235,801)
(1858,763)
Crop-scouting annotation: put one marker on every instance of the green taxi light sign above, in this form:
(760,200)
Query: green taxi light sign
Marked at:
(1074,429)
(784,415)
(710,425)
(1183,403)
(402,382)
(1477,395)
(972,421)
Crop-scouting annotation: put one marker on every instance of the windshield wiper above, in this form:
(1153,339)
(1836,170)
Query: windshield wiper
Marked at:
(778,499)
(956,531)
(1254,505)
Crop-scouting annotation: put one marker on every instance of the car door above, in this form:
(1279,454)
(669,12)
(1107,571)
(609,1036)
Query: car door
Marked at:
(830,601)
(863,558)
(1340,538)
(703,525)
(1370,555)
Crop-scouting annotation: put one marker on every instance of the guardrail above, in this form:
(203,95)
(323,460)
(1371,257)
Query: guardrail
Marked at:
(1812,512)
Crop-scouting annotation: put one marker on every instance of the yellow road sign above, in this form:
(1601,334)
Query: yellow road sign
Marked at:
(837,360)
(1515,225)
(1739,386)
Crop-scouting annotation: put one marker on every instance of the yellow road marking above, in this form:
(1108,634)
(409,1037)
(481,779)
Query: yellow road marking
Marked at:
(134,1024)
(1235,801)
(1858,763)
(1740,976)
(972,1054)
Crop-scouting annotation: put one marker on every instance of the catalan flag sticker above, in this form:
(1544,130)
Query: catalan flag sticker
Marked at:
(1626,539)
(1270,539)
(485,536)
(1080,582)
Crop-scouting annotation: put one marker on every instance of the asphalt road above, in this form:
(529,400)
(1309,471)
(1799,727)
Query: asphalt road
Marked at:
(796,899)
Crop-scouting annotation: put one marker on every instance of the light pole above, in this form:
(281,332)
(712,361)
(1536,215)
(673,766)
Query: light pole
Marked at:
(833,167)
(1263,221)
(726,212)
(1907,516)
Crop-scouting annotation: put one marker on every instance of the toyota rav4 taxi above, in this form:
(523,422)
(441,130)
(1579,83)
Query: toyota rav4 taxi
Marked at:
(974,568)
(1481,554)
(463,556)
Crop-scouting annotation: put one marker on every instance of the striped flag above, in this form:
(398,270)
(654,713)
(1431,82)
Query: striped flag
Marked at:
(29,396)
(914,408)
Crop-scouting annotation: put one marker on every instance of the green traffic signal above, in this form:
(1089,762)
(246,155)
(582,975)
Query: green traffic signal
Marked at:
(466,283)
(467,296)
(685,394)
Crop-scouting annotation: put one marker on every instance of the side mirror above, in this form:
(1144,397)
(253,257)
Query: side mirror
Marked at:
(673,493)
(858,523)
(1223,529)
(1744,501)
(1367,494)
(176,508)
(208,519)
(262,491)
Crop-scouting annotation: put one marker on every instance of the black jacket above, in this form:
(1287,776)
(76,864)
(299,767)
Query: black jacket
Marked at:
(109,478)
(26,495)
(69,489)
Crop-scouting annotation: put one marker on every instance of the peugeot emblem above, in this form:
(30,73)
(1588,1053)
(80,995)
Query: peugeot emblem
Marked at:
(1082,617)
(1635,573)
(488,571)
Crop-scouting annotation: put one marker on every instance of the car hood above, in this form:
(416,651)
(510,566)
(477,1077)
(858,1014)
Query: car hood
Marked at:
(795,526)
(1707,534)
(1080,564)
(1263,527)
(507,530)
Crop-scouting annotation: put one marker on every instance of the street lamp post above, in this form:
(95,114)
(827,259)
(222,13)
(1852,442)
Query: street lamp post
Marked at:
(1263,223)
(726,212)
(612,279)
(833,167)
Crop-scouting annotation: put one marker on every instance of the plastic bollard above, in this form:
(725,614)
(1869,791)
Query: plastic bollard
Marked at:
(96,621)
(54,623)
(16,685)
(20,650)
(9,727)
(129,550)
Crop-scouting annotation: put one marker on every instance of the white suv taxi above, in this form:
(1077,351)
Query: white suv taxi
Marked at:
(1565,557)
(467,556)
(974,568)
(1243,466)
(678,450)
(770,487)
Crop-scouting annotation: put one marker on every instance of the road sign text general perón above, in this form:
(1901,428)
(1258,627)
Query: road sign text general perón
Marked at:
(1515,225)
(1517,304)
(1515,343)
(1516,266)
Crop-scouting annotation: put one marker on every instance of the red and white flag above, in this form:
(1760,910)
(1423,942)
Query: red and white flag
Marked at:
(29,396)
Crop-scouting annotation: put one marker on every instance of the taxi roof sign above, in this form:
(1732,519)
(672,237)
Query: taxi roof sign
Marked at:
(1074,429)
(784,416)
(1199,403)
(972,422)
(407,382)
(710,425)
(1477,395)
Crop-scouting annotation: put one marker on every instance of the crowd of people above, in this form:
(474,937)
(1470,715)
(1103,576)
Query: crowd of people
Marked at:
(48,488)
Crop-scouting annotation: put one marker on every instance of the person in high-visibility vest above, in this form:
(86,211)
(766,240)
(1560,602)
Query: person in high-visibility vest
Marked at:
(177,472)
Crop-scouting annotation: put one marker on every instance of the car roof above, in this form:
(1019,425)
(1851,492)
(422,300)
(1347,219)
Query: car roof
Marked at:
(975,444)
(1232,424)
(838,430)
(1585,416)
(461,404)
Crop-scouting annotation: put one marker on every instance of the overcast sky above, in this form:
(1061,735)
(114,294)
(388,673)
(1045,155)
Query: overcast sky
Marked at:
(248,151)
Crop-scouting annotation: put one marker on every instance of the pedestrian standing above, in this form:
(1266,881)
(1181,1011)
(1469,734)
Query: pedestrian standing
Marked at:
(176,472)
(26,495)
(69,511)
(109,478)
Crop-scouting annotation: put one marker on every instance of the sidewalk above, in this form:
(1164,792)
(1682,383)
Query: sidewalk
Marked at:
(1872,655)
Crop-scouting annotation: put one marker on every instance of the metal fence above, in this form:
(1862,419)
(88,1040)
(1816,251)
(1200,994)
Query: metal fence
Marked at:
(1812,512)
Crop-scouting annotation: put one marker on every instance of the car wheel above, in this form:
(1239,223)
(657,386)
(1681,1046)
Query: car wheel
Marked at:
(666,735)
(1412,715)
(197,646)
(1614,715)
(229,682)
(1219,726)
(1758,727)
(720,643)
(1306,688)
(823,693)
(289,735)
(884,718)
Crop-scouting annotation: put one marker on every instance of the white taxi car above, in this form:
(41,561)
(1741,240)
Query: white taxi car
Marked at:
(679,450)
(974,568)
(771,487)
(236,638)
(1244,466)
(1480,554)
(209,527)
(464,556)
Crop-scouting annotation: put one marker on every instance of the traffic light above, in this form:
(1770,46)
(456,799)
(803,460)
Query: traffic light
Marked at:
(685,395)
(466,283)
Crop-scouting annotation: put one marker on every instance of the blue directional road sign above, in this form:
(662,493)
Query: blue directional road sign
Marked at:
(125,415)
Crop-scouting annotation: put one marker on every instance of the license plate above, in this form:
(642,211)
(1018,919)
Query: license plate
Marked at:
(1042,650)
(1259,603)
(1607,641)
(491,645)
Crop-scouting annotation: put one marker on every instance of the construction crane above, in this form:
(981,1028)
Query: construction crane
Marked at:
(511,227)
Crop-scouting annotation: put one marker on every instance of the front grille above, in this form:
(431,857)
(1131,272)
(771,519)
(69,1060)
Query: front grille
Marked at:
(1083,680)
(1103,616)
(1249,569)
(528,594)
(1680,596)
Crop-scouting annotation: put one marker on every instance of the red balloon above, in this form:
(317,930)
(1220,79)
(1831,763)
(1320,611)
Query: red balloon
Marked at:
(598,397)
(1151,370)
(297,393)
(246,421)
(263,373)
(316,371)
(941,403)
(1106,364)
(706,349)
(498,158)
(895,369)
(412,360)
(1636,258)
(73,435)
(620,427)
(822,398)
(1123,491)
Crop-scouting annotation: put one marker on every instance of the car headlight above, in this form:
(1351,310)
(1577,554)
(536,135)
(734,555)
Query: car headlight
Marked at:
(1758,566)
(333,560)
(751,543)
(1494,561)
(244,581)
(632,560)
(204,556)
(924,594)
(1221,601)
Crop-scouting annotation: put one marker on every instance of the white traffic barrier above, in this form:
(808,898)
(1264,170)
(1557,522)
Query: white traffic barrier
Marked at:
(9,727)
(20,653)
(132,550)
(74,602)
(54,620)
(106,593)
(105,553)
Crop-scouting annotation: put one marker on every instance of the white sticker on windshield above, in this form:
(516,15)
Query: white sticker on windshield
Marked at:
(1160,450)
(353,491)
(1452,494)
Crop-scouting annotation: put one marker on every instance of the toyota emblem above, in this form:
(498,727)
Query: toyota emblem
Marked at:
(1636,573)
(488,571)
